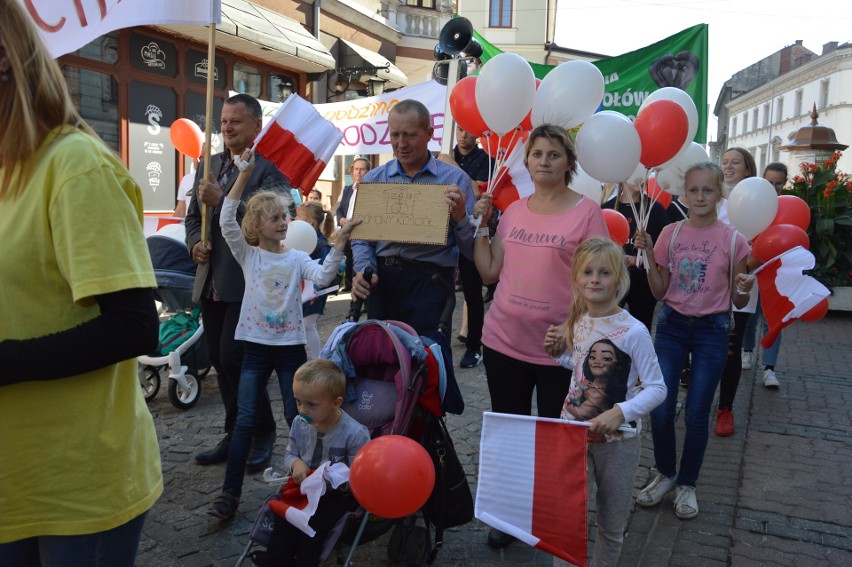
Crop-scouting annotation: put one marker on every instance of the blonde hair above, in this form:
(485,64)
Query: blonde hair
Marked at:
(261,207)
(317,217)
(560,137)
(322,375)
(712,168)
(35,99)
(612,256)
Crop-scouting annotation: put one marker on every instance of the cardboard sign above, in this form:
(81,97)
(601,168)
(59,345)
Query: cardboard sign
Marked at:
(413,213)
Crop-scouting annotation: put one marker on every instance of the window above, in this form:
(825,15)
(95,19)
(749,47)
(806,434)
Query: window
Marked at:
(500,14)
(733,126)
(823,94)
(280,87)
(246,79)
(104,48)
(96,95)
(754,119)
(766,115)
(421,3)
(779,109)
(798,108)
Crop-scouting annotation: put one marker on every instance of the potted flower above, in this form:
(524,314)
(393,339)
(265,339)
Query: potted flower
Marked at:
(827,192)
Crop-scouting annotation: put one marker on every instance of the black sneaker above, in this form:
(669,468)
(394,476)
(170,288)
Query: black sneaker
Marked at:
(471,358)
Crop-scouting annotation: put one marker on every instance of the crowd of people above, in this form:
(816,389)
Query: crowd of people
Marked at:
(572,323)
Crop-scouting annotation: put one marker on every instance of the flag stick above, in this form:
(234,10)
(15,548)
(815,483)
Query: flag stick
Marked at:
(449,123)
(208,121)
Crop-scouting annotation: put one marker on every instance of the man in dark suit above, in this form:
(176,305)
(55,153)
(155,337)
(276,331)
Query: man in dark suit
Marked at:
(358,169)
(219,278)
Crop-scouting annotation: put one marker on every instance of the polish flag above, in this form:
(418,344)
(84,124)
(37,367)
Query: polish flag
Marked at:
(512,181)
(532,482)
(299,502)
(785,292)
(299,141)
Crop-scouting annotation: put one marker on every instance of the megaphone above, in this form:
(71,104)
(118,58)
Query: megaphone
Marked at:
(440,54)
(455,36)
(441,72)
(473,49)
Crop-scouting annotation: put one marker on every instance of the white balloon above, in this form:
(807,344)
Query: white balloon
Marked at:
(638,176)
(568,95)
(301,236)
(671,178)
(682,98)
(586,185)
(608,147)
(752,206)
(504,92)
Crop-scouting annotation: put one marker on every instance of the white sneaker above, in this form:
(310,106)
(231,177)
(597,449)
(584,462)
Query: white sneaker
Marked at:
(686,504)
(748,359)
(770,380)
(652,494)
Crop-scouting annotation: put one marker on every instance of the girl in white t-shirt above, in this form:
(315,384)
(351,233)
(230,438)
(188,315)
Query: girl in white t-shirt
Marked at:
(270,327)
(616,380)
(697,268)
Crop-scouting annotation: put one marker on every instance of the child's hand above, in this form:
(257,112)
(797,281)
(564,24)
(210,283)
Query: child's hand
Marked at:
(554,340)
(299,472)
(744,283)
(643,241)
(346,229)
(608,422)
(245,163)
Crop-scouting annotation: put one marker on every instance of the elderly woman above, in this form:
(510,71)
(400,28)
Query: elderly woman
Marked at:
(80,466)
(531,256)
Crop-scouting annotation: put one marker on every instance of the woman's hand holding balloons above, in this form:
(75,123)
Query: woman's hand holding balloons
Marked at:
(483,209)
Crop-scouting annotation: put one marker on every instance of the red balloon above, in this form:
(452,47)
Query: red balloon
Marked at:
(777,239)
(616,224)
(187,137)
(392,476)
(793,210)
(526,123)
(656,192)
(816,312)
(500,148)
(463,107)
(662,127)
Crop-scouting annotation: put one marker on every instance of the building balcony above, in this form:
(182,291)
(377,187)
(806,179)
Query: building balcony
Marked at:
(414,21)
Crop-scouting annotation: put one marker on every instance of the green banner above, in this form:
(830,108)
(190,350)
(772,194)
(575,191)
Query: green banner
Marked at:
(678,61)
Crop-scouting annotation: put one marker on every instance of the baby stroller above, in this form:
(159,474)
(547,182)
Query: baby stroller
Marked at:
(394,387)
(181,355)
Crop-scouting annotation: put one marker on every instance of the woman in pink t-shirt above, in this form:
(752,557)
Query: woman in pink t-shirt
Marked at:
(691,273)
(531,256)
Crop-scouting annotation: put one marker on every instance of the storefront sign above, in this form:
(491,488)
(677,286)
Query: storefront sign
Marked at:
(153,55)
(152,109)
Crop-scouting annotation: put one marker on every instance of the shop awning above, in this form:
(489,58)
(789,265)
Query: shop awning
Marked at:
(259,32)
(355,56)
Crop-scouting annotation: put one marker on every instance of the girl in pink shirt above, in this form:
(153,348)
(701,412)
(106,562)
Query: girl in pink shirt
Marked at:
(691,272)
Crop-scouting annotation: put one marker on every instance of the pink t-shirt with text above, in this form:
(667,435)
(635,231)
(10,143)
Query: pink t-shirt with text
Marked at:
(700,268)
(535,288)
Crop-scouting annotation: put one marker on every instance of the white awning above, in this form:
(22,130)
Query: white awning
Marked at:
(355,56)
(259,32)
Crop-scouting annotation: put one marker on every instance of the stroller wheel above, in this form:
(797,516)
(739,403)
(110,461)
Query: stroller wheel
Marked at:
(396,543)
(184,398)
(416,545)
(149,379)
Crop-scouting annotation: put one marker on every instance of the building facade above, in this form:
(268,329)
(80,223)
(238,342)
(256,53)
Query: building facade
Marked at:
(763,106)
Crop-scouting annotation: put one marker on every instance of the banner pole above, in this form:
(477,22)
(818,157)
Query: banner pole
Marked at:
(208,122)
(449,123)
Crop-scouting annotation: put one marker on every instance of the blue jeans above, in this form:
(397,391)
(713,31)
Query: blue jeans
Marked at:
(707,339)
(112,548)
(258,363)
(770,355)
